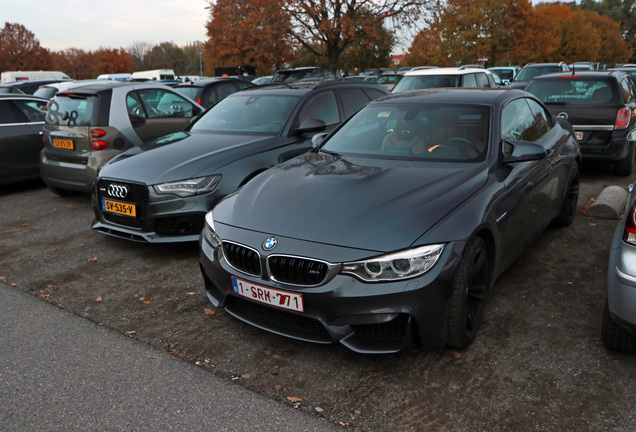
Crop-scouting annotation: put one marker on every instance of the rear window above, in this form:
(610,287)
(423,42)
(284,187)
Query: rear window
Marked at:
(573,91)
(73,111)
(190,92)
(417,82)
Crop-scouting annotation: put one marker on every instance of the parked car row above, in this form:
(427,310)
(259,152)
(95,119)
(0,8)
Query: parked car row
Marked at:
(333,211)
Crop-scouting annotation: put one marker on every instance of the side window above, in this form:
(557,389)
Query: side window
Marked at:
(134,106)
(469,80)
(374,94)
(35,111)
(627,90)
(541,118)
(517,124)
(321,106)
(159,103)
(6,113)
(482,80)
(352,100)
(221,91)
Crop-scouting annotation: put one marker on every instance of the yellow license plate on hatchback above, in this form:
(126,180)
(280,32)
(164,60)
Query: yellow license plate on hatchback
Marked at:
(63,143)
(121,208)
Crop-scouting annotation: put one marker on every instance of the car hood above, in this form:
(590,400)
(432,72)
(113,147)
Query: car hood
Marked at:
(366,203)
(181,156)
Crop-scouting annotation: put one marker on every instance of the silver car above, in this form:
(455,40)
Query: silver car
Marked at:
(87,126)
(619,317)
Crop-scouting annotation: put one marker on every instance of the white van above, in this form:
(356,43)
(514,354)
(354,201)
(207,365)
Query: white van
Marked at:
(156,74)
(32,75)
(115,77)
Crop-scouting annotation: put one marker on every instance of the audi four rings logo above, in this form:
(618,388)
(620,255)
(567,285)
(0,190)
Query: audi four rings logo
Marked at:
(117,191)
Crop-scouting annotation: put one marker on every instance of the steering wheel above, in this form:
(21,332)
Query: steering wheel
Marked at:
(462,145)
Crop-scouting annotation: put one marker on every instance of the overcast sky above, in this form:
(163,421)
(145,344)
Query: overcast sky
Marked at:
(94,24)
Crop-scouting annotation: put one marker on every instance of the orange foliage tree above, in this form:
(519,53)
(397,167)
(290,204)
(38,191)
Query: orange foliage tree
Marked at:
(75,62)
(110,61)
(514,31)
(247,33)
(21,50)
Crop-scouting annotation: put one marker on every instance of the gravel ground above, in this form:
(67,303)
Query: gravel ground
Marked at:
(537,365)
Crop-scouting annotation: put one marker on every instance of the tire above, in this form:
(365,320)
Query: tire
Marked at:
(625,166)
(63,192)
(568,206)
(470,284)
(616,337)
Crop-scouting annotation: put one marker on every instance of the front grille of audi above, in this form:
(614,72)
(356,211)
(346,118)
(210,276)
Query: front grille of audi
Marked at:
(137,194)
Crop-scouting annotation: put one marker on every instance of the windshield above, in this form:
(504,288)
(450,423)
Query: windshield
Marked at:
(416,82)
(248,113)
(526,74)
(430,132)
(571,91)
(504,74)
(73,111)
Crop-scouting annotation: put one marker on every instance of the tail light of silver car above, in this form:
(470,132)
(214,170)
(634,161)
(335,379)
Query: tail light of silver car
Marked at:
(97,143)
(629,234)
(623,118)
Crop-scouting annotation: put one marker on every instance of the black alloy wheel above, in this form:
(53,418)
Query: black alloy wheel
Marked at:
(470,286)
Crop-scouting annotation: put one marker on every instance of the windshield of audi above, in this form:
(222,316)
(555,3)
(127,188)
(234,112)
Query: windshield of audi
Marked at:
(248,113)
(427,132)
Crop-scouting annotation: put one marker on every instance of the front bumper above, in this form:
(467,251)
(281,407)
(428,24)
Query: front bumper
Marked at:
(382,317)
(159,219)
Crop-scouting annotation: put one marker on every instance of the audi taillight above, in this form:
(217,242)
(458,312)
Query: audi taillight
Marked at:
(629,234)
(99,144)
(622,118)
(97,133)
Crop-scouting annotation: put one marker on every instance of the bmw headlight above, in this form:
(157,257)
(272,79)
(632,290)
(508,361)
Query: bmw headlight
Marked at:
(209,231)
(189,187)
(395,266)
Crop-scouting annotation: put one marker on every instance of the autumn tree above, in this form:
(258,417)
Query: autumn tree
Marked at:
(329,27)
(138,51)
(613,48)
(21,50)
(75,62)
(247,32)
(620,11)
(110,61)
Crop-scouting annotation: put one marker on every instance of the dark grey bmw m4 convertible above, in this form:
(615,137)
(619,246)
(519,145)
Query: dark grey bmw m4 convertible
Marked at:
(391,232)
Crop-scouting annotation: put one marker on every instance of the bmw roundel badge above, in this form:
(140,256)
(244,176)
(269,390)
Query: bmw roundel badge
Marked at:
(270,243)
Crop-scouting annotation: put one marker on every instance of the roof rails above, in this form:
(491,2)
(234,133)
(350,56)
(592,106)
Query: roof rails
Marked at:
(471,66)
(424,67)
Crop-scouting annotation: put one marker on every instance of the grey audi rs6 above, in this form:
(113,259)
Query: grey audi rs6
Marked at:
(391,231)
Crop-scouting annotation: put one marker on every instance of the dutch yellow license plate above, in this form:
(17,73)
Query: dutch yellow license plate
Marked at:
(121,208)
(63,143)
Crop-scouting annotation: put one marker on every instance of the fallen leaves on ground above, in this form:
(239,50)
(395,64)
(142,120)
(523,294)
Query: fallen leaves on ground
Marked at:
(294,399)
(92,259)
(99,299)
(456,354)
(26,224)
(191,293)
(209,311)
(131,332)
(587,206)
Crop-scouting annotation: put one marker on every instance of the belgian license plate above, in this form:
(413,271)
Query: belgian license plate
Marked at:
(270,296)
(121,208)
(63,143)
(578,135)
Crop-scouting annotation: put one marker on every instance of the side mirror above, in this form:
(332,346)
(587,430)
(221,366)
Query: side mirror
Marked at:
(317,139)
(523,151)
(311,125)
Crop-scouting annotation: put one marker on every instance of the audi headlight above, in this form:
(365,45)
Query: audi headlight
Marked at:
(395,266)
(189,187)
(210,233)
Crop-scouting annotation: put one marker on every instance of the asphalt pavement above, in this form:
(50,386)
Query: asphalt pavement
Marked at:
(61,372)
